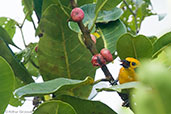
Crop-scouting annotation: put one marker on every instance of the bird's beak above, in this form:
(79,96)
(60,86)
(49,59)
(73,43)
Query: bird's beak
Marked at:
(125,63)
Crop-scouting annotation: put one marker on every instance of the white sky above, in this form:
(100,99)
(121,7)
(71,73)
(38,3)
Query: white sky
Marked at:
(151,26)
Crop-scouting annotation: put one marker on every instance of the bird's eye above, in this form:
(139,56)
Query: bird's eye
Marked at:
(133,63)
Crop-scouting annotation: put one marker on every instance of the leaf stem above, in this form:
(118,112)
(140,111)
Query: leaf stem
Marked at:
(97,12)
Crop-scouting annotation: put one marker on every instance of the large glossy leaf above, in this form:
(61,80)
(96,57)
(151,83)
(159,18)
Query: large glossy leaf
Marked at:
(58,86)
(138,47)
(82,106)
(38,8)
(60,52)
(106,4)
(120,87)
(9,25)
(7,84)
(110,33)
(141,9)
(161,43)
(55,107)
(5,36)
(18,68)
(89,15)
(154,93)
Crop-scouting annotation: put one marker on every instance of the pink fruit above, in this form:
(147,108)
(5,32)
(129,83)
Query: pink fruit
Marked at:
(95,61)
(93,38)
(77,14)
(36,49)
(106,54)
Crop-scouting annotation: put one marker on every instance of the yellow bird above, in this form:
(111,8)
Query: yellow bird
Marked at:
(127,72)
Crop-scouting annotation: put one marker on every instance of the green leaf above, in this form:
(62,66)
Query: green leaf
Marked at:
(7,84)
(138,47)
(152,38)
(82,106)
(28,8)
(89,15)
(14,101)
(18,68)
(120,87)
(38,8)
(161,43)
(5,36)
(152,97)
(83,2)
(106,4)
(110,33)
(164,57)
(60,52)
(58,86)
(140,8)
(55,107)
(9,25)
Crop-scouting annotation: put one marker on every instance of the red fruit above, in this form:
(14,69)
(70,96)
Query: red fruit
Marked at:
(36,49)
(93,38)
(106,54)
(77,14)
(95,61)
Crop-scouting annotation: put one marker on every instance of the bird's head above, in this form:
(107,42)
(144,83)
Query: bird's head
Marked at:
(130,62)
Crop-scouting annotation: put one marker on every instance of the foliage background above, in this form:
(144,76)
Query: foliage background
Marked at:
(158,29)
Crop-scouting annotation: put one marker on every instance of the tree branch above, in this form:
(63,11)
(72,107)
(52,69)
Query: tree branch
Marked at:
(92,47)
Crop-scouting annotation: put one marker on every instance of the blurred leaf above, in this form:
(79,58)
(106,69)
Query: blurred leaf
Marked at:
(153,94)
(58,86)
(141,9)
(18,68)
(38,8)
(138,47)
(82,106)
(164,57)
(161,43)
(89,15)
(7,84)
(120,87)
(106,4)
(28,57)
(60,52)
(9,25)
(55,107)
(28,8)
(161,16)
(5,36)
(110,33)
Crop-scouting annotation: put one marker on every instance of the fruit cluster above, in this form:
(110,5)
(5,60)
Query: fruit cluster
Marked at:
(101,58)
(77,15)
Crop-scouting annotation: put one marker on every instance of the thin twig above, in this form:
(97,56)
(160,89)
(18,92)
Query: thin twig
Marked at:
(134,14)
(23,37)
